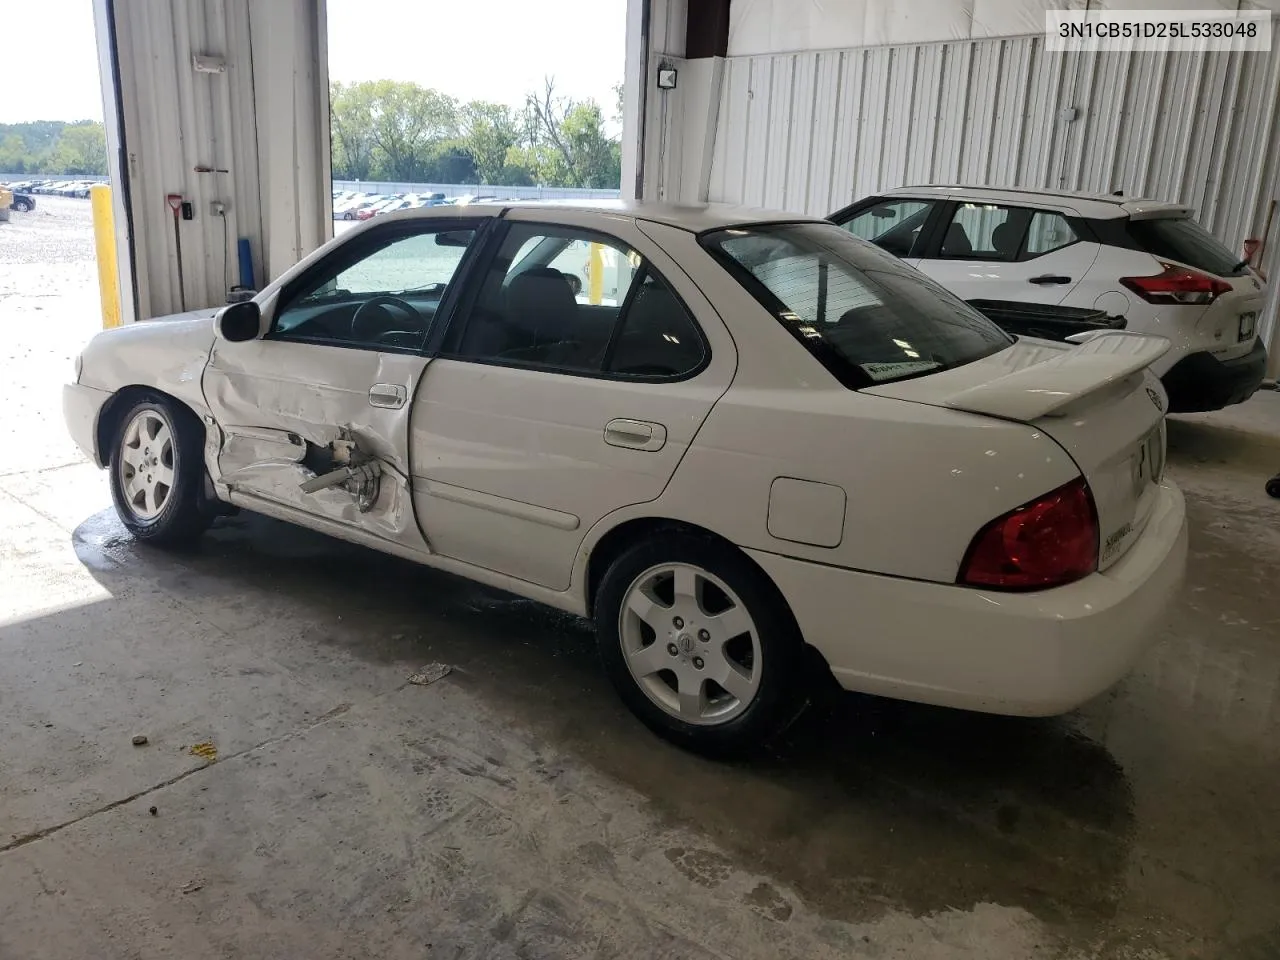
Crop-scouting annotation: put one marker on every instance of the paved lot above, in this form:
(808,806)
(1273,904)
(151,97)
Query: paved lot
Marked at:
(514,809)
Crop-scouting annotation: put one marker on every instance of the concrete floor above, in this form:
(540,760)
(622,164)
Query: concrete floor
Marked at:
(514,809)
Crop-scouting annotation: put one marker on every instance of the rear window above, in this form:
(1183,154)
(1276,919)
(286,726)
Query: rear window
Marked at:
(865,315)
(1184,240)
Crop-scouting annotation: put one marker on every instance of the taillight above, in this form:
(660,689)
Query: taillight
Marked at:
(1177,285)
(1045,543)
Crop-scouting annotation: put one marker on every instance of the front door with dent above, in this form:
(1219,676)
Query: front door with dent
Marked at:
(315,414)
(569,387)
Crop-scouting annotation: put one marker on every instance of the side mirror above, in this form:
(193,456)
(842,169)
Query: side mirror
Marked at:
(238,322)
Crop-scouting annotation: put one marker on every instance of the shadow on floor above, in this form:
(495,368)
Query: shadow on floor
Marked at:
(865,803)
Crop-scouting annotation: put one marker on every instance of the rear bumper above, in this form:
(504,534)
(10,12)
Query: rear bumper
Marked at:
(81,407)
(1027,654)
(1200,381)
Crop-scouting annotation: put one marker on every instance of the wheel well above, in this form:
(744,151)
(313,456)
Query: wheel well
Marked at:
(115,409)
(613,543)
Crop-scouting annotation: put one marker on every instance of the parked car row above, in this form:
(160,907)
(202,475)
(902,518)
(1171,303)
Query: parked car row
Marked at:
(353,205)
(57,188)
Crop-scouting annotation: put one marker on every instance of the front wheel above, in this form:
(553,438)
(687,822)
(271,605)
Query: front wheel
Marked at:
(157,473)
(22,206)
(1273,486)
(699,644)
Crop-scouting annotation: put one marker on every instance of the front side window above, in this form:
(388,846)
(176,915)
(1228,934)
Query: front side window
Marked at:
(867,317)
(378,295)
(893,225)
(577,302)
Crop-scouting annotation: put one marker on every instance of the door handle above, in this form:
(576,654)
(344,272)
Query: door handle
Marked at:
(392,396)
(1049,278)
(635,434)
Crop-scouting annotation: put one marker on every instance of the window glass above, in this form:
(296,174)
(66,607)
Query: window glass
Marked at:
(579,303)
(1048,232)
(657,337)
(894,225)
(985,231)
(1184,240)
(385,297)
(867,317)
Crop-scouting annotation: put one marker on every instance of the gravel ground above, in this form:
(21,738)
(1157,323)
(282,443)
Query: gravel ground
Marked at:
(49,307)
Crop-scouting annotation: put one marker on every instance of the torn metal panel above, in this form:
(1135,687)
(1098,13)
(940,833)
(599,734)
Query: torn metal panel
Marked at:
(301,429)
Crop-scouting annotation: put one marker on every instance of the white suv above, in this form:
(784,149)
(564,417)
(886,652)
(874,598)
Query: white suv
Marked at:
(1050,264)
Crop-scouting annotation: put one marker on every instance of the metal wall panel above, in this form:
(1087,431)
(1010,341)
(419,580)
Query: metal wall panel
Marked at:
(261,124)
(813,131)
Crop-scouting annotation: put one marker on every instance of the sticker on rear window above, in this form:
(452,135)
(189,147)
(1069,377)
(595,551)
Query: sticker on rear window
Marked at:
(894,370)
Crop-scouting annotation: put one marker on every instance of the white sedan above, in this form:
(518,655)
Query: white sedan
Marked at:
(769,434)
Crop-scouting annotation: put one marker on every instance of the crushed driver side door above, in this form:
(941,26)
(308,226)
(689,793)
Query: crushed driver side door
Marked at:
(314,415)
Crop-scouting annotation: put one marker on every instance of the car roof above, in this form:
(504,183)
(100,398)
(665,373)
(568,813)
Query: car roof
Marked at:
(1099,206)
(692,217)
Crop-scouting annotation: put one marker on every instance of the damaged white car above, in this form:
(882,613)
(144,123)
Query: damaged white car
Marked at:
(722,435)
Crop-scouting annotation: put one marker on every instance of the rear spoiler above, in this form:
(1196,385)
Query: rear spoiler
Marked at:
(1045,388)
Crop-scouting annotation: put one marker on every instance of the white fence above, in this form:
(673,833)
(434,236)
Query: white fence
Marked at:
(478,189)
(59,177)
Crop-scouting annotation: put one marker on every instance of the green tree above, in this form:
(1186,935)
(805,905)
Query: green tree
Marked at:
(580,152)
(449,161)
(351,127)
(519,168)
(489,132)
(82,149)
(15,157)
(406,120)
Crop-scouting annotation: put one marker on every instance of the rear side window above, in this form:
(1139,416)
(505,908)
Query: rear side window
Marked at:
(1048,232)
(867,317)
(1184,240)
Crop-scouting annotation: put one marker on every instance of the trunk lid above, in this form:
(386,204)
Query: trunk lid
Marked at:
(1096,400)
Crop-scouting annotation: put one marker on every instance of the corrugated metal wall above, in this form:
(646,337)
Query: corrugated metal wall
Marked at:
(263,123)
(814,131)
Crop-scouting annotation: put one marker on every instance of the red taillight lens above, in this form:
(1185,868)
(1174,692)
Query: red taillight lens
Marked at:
(1045,543)
(1177,285)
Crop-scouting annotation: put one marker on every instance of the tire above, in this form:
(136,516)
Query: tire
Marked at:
(22,206)
(683,583)
(1273,487)
(347,216)
(156,439)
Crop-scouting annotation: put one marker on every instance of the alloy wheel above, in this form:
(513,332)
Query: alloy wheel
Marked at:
(690,644)
(145,463)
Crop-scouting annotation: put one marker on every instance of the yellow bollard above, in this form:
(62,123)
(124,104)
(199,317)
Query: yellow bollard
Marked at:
(104,240)
(595,275)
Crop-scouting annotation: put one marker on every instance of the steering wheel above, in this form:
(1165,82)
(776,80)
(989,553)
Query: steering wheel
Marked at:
(384,299)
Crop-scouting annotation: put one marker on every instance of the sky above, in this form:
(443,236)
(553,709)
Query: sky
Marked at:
(36,83)
(495,50)
(470,49)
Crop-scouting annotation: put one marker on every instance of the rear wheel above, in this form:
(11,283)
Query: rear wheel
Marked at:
(22,206)
(156,472)
(699,644)
(1273,486)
